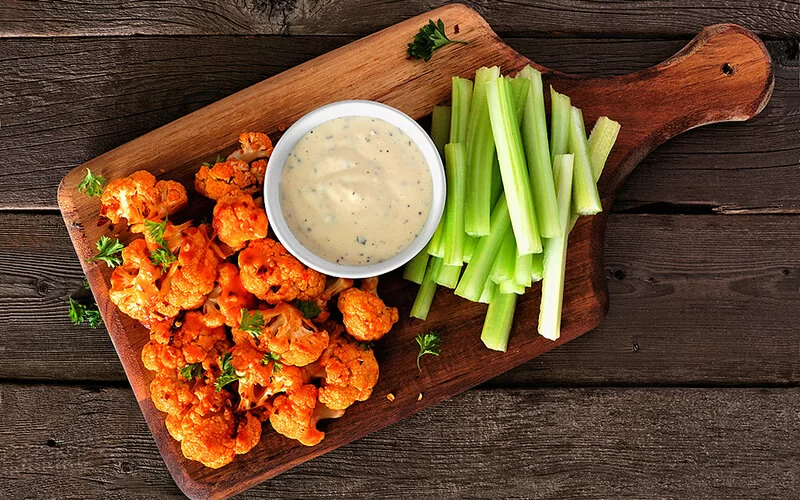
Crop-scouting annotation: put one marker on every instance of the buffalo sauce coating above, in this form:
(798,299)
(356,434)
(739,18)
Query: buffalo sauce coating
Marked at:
(355,190)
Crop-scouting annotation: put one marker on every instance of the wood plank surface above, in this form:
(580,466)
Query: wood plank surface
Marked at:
(551,17)
(65,101)
(694,300)
(91,442)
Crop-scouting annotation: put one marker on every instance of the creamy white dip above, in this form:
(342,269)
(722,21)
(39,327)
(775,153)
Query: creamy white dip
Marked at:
(355,190)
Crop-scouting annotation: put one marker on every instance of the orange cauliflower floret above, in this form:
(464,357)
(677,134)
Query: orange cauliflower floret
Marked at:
(134,287)
(173,235)
(272,274)
(348,370)
(230,175)
(171,393)
(237,220)
(261,376)
(191,278)
(193,342)
(252,146)
(333,288)
(228,297)
(295,415)
(287,334)
(364,314)
(208,430)
(139,197)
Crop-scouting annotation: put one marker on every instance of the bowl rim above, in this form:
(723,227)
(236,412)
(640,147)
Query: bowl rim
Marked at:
(338,109)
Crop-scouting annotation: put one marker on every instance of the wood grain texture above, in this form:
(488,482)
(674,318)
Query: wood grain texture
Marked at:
(546,443)
(551,17)
(694,300)
(86,96)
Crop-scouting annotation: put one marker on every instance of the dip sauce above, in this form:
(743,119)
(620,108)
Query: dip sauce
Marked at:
(355,190)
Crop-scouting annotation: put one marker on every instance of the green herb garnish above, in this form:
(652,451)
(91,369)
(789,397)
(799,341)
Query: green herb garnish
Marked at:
(252,323)
(108,250)
(276,364)
(92,185)
(309,308)
(429,343)
(191,371)
(430,38)
(88,313)
(162,256)
(219,159)
(228,374)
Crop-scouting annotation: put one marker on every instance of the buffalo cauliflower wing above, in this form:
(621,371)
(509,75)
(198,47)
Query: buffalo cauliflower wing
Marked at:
(348,371)
(134,284)
(296,414)
(171,393)
(273,275)
(252,146)
(228,298)
(364,314)
(139,197)
(261,376)
(230,176)
(192,342)
(292,337)
(238,219)
(333,288)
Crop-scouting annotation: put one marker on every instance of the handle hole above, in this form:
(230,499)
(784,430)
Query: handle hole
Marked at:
(728,70)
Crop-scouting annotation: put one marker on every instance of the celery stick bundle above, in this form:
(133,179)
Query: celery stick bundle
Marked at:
(513,195)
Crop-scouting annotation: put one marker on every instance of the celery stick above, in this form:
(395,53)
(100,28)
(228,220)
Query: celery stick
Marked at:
(459,114)
(440,127)
(489,291)
(555,254)
(601,140)
(523,270)
(469,247)
(510,287)
(513,169)
(534,141)
(497,181)
(454,235)
(480,152)
(440,133)
(415,269)
(447,276)
(497,325)
(477,272)
(503,266)
(520,88)
(560,107)
(585,197)
(426,292)
(537,267)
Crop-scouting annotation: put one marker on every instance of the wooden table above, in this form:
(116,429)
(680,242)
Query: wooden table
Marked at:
(688,389)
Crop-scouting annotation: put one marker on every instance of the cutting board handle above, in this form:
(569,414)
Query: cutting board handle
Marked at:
(724,74)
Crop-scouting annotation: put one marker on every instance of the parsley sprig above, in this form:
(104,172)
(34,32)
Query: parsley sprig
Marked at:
(429,343)
(191,371)
(308,308)
(252,323)
(80,313)
(161,256)
(276,364)
(228,374)
(430,38)
(92,185)
(208,164)
(108,251)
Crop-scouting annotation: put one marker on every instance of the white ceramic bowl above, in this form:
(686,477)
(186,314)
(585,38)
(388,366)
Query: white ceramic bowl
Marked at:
(272,185)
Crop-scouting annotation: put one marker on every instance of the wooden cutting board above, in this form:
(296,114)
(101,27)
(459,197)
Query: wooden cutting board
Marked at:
(724,74)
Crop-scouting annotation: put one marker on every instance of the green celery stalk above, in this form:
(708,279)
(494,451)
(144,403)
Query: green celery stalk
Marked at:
(447,276)
(523,270)
(440,127)
(497,325)
(477,272)
(601,140)
(534,141)
(480,152)
(459,114)
(510,287)
(513,169)
(585,197)
(415,269)
(440,133)
(426,292)
(560,107)
(489,291)
(497,181)
(454,235)
(555,254)
(537,267)
(503,266)
(469,247)
(520,88)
